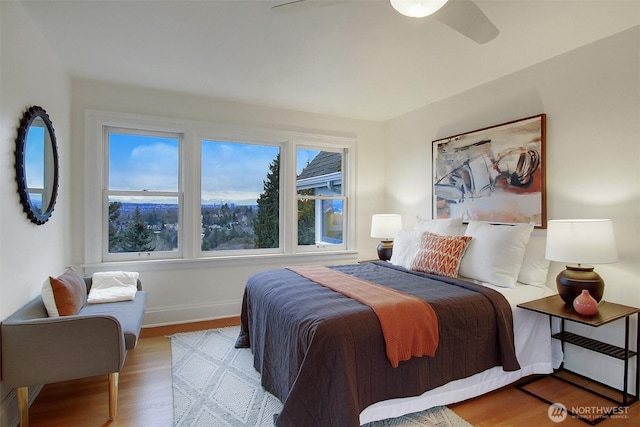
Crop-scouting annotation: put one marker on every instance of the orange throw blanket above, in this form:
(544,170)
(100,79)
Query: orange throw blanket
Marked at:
(409,324)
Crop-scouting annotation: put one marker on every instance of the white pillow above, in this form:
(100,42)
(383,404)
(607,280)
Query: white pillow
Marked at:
(442,226)
(535,267)
(405,247)
(109,279)
(48,299)
(495,253)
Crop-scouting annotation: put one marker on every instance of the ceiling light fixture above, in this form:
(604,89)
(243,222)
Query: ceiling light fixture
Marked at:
(417,8)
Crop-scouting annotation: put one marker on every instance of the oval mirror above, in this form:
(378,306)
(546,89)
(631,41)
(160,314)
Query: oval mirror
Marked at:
(37,165)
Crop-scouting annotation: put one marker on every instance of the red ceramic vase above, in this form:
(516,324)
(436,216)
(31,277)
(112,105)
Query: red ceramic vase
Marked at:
(585,304)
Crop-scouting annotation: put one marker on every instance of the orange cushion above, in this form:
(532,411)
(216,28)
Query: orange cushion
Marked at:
(440,255)
(69,292)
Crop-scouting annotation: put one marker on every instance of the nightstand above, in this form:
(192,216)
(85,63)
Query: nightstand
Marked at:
(553,306)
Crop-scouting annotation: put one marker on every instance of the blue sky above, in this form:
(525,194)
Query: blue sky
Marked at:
(34,157)
(232,172)
(143,163)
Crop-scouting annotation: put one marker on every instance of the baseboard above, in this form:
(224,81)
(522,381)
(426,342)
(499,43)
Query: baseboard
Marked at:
(171,315)
(176,328)
(9,416)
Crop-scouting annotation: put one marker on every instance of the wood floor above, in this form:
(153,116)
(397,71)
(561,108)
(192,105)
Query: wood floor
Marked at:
(145,396)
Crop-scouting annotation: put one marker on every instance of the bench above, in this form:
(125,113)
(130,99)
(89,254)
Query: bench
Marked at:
(38,349)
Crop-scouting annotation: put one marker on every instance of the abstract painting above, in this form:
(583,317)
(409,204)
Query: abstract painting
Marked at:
(493,174)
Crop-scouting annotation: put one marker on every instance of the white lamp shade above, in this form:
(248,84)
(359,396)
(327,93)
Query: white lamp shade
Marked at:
(417,8)
(581,241)
(385,226)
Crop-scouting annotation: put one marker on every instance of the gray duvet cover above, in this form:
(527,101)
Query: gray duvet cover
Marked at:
(323,354)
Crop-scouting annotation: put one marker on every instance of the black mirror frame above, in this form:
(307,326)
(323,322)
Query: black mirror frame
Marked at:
(37,216)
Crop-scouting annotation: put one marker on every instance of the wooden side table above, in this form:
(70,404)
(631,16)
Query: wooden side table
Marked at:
(553,306)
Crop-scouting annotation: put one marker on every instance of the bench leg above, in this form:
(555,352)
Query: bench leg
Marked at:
(113,394)
(22,393)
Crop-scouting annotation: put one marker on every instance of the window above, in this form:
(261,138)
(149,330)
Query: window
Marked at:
(321,200)
(176,189)
(240,196)
(143,193)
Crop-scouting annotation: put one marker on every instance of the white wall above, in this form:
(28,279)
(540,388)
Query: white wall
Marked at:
(591,97)
(205,289)
(30,74)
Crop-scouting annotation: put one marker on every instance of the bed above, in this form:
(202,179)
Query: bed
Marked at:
(323,353)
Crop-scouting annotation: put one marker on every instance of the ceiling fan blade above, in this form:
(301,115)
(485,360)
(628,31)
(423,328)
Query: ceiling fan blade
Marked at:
(467,19)
(301,5)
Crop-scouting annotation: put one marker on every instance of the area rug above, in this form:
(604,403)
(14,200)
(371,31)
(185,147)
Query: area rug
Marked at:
(215,384)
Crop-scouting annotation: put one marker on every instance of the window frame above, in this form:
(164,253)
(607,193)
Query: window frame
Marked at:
(343,197)
(107,192)
(193,133)
(241,252)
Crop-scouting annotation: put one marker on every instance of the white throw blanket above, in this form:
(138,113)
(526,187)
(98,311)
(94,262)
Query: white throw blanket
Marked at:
(113,286)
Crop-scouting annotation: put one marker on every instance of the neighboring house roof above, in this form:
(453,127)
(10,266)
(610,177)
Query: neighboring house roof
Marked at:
(323,174)
(324,163)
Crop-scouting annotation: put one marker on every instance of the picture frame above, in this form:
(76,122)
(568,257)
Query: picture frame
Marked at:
(494,174)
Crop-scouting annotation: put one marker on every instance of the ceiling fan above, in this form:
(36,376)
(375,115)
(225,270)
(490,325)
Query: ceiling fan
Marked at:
(464,16)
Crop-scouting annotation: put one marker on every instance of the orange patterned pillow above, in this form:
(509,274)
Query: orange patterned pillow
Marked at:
(440,255)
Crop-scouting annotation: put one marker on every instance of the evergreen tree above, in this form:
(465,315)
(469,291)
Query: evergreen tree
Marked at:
(307,219)
(137,237)
(266,223)
(225,215)
(114,214)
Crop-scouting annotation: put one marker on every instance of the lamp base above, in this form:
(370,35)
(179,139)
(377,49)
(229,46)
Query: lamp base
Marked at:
(574,279)
(385,249)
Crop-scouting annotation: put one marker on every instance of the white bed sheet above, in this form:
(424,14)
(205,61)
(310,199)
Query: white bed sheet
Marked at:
(534,349)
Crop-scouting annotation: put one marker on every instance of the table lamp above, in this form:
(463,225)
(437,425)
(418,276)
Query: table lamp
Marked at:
(578,242)
(385,227)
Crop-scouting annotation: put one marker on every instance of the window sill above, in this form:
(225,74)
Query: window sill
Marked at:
(269,260)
